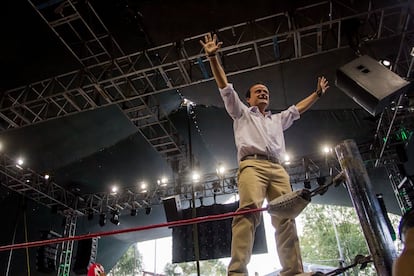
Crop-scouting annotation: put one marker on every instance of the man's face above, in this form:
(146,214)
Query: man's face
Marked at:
(259,96)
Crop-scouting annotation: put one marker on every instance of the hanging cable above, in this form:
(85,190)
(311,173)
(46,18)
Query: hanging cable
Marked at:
(26,240)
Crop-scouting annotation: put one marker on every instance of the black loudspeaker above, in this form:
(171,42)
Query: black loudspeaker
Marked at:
(369,84)
(46,255)
(214,237)
(83,257)
(172,208)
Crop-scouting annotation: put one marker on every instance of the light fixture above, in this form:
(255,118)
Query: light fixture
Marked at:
(286,159)
(187,102)
(148,210)
(20,161)
(196,177)
(102,219)
(90,214)
(143,187)
(47,176)
(114,189)
(233,183)
(307,184)
(386,63)
(134,212)
(326,149)
(216,187)
(163,181)
(115,217)
(220,169)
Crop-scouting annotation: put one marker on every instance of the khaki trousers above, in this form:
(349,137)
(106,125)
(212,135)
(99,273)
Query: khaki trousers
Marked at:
(257,180)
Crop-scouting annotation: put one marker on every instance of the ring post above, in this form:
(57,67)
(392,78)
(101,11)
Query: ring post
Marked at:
(367,207)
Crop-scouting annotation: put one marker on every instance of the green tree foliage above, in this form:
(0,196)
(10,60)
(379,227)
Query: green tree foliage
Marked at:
(130,264)
(329,229)
(207,268)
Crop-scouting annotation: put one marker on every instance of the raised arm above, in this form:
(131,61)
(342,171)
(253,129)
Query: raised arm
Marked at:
(306,103)
(211,47)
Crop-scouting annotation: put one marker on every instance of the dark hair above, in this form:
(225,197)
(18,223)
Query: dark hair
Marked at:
(407,222)
(248,90)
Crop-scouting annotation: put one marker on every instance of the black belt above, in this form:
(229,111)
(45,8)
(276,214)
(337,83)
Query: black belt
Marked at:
(260,157)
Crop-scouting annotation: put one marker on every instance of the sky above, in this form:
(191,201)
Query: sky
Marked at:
(159,252)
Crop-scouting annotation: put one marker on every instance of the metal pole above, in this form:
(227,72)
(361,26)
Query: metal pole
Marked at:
(194,210)
(367,207)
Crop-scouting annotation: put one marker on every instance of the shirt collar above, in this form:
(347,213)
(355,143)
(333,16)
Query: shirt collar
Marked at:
(256,110)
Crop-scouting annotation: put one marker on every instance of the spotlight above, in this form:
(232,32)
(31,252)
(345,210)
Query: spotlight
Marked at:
(133,212)
(220,169)
(47,176)
(114,189)
(148,210)
(386,63)
(326,149)
(90,214)
(163,181)
(196,177)
(307,184)
(115,217)
(102,219)
(20,161)
(216,187)
(233,183)
(143,187)
(321,180)
(286,159)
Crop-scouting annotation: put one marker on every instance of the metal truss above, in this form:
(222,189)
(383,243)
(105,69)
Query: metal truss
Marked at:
(48,193)
(84,34)
(66,253)
(35,186)
(133,81)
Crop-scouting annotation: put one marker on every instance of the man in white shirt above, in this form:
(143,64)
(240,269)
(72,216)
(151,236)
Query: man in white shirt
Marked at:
(260,145)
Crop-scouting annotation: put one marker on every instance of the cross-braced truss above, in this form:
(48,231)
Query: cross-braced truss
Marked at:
(107,76)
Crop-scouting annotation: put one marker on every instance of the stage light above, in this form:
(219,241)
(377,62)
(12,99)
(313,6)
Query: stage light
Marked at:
(134,212)
(321,180)
(187,102)
(216,187)
(233,184)
(163,181)
(102,219)
(286,159)
(196,177)
(148,210)
(220,169)
(47,176)
(326,149)
(307,184)
(143,187)
(1,146)
(386,63)
(20,161)
(114,189)
(115,217)
(90,214)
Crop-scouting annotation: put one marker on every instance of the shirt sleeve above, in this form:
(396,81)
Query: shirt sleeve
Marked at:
(288,116)
(232,102)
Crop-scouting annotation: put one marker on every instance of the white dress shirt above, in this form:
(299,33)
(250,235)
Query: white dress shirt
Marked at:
(253,132)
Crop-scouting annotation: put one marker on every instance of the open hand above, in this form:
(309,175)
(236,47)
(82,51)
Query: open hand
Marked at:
(323,85)
(210,44)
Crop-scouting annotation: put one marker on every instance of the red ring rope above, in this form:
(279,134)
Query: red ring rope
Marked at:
(134,229)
